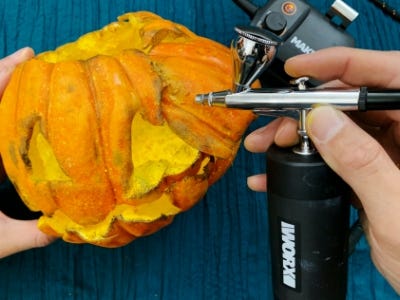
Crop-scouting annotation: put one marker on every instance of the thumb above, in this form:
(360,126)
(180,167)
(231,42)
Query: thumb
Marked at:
(8,64)
(360,161)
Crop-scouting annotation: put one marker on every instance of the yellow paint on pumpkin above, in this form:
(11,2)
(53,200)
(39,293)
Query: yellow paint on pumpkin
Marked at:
(172,155)
(45,166)
(142,33)
(147,212)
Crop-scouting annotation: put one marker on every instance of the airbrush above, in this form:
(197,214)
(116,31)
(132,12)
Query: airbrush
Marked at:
(308,204)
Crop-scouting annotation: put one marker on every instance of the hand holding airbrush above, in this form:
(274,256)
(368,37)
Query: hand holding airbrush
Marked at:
(362,147)
(308,202)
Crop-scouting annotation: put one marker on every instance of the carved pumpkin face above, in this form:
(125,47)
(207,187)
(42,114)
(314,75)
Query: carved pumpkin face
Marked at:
(103,136)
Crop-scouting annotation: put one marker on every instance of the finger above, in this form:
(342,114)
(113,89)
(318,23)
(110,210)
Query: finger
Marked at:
(356,67)
(361,162)
(260,139)
(336,83)
(17,236)
(286,134)
(8,64)
(377,118)
(257,183)
(384,258)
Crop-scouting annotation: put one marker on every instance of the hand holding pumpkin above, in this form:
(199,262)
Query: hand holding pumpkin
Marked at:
(102,135)
(17,235)
(363,149)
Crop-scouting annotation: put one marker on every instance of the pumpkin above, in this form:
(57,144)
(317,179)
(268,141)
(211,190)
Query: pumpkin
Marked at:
(102,135)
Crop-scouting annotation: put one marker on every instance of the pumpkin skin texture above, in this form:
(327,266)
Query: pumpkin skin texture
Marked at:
(102,135)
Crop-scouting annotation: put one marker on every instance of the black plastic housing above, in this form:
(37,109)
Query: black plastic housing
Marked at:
(308,210)
(302,30)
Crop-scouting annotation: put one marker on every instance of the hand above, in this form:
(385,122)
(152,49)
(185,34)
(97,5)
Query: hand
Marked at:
(16,235)
(363,148)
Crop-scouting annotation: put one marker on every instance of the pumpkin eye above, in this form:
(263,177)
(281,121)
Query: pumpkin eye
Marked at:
(171,156)
(44,164)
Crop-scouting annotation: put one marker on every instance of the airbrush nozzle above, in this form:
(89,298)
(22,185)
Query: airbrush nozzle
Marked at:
(213,98)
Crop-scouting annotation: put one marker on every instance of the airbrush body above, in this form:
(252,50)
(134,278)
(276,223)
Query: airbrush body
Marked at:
(287,102)
(296,102)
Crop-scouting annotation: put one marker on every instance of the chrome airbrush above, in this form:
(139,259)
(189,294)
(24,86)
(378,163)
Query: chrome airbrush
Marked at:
(287,102)
(297,101)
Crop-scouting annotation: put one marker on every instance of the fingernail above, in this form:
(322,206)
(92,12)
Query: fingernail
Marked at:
(324,122)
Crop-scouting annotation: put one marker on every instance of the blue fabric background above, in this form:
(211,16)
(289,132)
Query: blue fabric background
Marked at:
(218,249)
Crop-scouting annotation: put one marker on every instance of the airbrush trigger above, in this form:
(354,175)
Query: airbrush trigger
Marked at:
(300,83)
(253,52)
(305,146)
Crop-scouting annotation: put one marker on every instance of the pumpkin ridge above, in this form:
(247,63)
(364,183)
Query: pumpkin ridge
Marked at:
(44,114)
(153,113)
(116,140)
(44,187)
(73,132)
(20,175)
(215,142)
(95,107)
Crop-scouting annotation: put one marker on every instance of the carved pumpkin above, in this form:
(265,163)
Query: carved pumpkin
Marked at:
(102,135)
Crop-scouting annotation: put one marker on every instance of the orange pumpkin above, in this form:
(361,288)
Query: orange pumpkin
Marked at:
(102,135)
